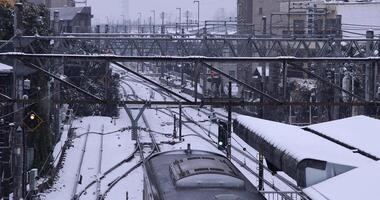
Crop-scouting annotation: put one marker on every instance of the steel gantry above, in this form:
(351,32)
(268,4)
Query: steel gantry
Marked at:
(207,45)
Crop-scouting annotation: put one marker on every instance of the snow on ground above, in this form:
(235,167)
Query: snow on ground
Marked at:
(5,68)
(359,183)
(118,146)
(302,144)
(360,132)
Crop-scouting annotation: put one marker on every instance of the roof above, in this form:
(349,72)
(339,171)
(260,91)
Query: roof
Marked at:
(69,13)
(360,132)
(158,169)
(4,68)
(359,183)
(302,144)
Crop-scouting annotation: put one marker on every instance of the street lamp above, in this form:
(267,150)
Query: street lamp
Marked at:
(197,1)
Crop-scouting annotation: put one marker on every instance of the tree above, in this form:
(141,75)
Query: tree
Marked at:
(36,19)
(6,22)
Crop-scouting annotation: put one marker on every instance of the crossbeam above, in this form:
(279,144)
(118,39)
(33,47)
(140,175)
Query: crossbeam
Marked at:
(116,58)
(199,103)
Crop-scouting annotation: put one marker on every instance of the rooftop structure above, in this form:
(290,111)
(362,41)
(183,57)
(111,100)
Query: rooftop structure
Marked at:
(304,156)
(359,132)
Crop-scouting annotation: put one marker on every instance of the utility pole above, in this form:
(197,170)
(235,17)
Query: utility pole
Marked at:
(229,127)
(139,22)
(289,17)
(187,20)
(163,23)
(180,122)
(369,91)
(180,17)
(197,1)
(17,144)
(154,20)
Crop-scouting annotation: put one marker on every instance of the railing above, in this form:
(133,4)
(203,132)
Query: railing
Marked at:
(283,195)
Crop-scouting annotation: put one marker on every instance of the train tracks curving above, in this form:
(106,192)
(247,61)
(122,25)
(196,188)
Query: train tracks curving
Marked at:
(241,150)
(140,146)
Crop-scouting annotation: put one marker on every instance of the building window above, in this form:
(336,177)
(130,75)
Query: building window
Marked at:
(260,11)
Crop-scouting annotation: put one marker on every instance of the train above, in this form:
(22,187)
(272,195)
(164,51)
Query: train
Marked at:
(195,175)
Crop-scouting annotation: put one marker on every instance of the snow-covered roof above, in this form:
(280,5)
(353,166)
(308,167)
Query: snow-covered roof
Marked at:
(302,144)
(359,183)
(4,68)
(361,132)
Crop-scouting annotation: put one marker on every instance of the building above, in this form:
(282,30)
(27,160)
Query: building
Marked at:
(284,18)
(55,3)
(306,19)
(71,19)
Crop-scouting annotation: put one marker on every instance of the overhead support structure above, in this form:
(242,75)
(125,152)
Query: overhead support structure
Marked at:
(196,59)
(188,45)
(203,59)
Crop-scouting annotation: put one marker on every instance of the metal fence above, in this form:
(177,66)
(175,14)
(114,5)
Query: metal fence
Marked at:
(283,195)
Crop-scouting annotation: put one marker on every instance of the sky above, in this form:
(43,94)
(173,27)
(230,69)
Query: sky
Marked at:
(114,9)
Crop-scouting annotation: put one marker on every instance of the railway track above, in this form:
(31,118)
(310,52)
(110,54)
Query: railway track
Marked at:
(139,147)
(98,180)
(79,169)
(240,151)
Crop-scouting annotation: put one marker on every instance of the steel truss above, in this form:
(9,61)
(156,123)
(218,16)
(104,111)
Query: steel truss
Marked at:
(208,45)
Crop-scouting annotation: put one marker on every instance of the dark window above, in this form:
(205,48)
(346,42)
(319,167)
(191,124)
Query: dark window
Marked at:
(260,11)
(299,27)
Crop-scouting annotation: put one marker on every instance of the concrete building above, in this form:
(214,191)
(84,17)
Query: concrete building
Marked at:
(306,19)
(71,19)
(283,18)
(55,3)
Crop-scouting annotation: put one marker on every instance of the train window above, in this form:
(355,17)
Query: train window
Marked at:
(210,181)
(194,158)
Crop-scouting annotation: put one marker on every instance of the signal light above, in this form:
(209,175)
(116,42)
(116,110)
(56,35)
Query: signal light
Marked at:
(32,121)
(222,135)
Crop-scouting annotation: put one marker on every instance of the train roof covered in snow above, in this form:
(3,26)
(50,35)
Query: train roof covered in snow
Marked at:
(194,174)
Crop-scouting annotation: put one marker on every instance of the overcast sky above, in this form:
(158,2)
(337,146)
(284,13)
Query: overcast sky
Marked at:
(113,9)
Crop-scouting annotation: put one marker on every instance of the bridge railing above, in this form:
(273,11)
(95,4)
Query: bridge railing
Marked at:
(282,195)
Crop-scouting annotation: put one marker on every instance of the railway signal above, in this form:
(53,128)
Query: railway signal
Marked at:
(32,121)
(222,135)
